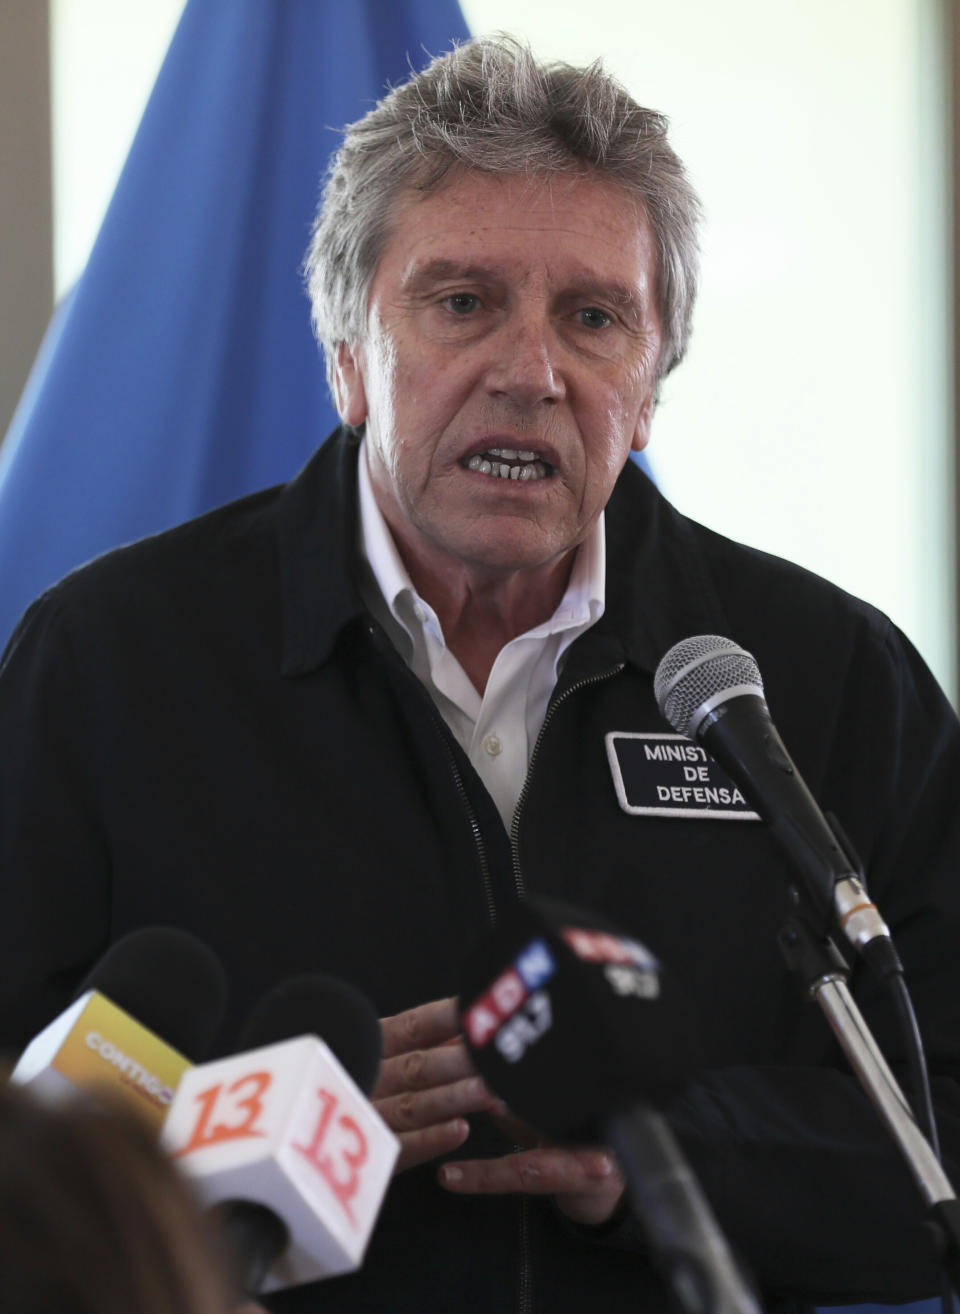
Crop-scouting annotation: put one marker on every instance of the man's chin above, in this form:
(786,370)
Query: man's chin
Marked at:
(510,554)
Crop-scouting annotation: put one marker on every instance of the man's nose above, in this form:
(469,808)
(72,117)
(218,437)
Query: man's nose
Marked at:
(525,367)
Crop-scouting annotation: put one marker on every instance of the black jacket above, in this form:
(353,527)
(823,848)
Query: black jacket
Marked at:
(207,729)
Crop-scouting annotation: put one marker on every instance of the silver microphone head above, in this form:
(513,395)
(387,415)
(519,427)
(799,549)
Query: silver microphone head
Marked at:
(700,673)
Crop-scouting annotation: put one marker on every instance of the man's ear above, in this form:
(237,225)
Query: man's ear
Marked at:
(641,432)
(351,396)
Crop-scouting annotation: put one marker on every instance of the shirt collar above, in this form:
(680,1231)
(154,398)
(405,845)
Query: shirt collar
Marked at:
(377,545)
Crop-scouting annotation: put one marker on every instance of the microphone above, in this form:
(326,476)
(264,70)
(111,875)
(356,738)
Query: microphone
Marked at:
(281,1141)
(710,690)
(571,1023)
(157,996)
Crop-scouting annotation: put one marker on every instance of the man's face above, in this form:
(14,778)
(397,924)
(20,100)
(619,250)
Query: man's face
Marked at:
(508,367)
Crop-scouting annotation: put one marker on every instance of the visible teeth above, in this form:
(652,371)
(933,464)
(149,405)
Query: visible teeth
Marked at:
(511,454)
(532,469)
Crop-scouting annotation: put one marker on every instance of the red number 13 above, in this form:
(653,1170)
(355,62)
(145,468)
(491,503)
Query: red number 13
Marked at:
(353,1154)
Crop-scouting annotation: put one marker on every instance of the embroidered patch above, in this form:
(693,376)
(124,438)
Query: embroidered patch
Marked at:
(665,775)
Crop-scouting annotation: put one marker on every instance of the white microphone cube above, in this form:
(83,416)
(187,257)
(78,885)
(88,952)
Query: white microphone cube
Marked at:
(94,1045)
(286,1126)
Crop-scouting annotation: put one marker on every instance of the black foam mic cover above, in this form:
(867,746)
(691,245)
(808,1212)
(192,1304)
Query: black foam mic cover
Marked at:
(169,981)
(568,1019)
(323,1006)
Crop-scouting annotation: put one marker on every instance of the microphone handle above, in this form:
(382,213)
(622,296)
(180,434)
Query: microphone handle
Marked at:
(255,1236)
(685,1238)
(740,735)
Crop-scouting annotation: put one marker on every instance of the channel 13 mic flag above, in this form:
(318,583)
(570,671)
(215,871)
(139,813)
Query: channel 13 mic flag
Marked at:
(181,371)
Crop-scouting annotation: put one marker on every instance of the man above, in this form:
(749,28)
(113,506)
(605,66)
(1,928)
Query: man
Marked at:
(339,726)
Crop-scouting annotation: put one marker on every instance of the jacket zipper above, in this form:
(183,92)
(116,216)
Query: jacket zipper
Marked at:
(525,1290)
(382,641)
(471,815)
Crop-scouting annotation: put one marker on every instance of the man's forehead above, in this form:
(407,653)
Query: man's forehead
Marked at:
(535,197)
(481,226)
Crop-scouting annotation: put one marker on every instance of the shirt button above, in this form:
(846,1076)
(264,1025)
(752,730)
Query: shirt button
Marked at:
(420,614)
(492,745)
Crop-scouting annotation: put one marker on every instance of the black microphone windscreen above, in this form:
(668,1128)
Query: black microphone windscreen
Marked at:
(323,1006)
(568,1019)
(167,980)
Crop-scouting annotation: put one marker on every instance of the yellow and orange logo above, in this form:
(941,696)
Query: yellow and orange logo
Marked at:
(106,1046)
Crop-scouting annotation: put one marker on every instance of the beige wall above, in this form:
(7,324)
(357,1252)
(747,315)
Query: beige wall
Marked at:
(26,274)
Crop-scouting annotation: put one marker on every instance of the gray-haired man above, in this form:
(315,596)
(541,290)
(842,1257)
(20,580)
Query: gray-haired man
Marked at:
(341,724)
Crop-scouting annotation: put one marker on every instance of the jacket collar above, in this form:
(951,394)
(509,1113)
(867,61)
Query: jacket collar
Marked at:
(659,588)
(317,544)
(659,585)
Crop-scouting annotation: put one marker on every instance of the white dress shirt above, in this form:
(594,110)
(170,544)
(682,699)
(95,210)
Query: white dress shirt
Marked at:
(497,731)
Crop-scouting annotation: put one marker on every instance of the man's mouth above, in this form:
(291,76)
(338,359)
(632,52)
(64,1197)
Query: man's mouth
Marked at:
(508,463)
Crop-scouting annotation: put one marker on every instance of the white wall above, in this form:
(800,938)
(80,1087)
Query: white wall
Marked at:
(104,58)
(811,417)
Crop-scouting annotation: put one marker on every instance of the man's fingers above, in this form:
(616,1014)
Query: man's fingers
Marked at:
(412,1110)
(422,1068)
(420,1146)
(421,1049)
(586,1183)
(426,1085)
(545,1171)
(422,1027)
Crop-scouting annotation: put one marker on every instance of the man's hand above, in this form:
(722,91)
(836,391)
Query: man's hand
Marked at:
(427,1086)
(585,1182)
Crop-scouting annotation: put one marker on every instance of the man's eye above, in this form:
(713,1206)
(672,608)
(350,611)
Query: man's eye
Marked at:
(461,303)
(593,318)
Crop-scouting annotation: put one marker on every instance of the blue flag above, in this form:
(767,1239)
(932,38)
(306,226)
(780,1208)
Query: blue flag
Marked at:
(181,372)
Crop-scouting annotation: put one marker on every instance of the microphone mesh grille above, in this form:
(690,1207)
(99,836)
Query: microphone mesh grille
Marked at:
(698,669)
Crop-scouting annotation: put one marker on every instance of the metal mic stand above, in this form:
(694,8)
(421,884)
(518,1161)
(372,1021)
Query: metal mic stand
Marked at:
(824,974)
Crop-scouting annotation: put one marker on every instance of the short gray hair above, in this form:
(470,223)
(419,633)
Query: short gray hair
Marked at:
(489,105)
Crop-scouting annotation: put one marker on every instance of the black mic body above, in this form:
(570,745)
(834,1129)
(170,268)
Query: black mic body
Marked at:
(710,690)
(571,1023)
(675,1214)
